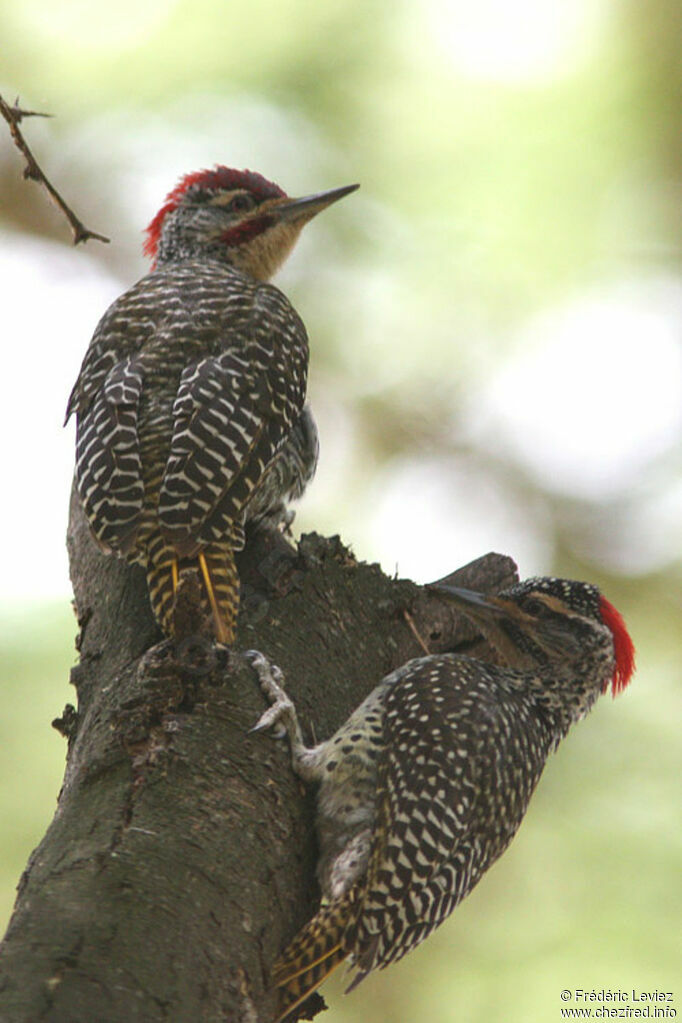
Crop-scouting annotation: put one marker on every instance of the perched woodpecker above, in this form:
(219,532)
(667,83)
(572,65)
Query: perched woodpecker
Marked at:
(190,399)
(425,785)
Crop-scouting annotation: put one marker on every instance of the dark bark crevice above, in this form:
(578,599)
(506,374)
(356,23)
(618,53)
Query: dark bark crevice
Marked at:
(181,858)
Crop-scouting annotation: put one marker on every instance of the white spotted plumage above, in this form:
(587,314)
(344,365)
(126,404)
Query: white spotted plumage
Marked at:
(426,784)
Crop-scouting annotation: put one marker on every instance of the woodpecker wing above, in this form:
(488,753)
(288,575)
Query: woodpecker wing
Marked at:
(231,414)
(108,469)
(288,474)
(446,733)
(107,399)
(96,366)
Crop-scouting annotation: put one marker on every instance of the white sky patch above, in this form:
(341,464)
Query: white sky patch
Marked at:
(435,514)
(520,41)
(594,397)
(54,297)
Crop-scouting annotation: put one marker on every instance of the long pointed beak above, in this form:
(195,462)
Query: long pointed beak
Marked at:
(470,600)
(492,616)
(310,205)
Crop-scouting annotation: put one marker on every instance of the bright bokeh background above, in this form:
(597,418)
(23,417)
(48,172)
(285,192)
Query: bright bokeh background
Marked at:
(496,364)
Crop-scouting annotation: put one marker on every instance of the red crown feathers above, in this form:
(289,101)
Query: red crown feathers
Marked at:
(219,179)
(623,647)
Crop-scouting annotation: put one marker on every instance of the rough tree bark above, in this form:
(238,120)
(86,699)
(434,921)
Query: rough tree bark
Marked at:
(181,856)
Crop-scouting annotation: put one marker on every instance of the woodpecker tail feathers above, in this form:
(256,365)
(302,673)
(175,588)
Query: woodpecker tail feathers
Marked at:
(162,580)
(219,584)
(313,954)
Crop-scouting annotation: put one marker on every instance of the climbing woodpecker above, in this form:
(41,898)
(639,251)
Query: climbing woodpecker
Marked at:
(190,399)
(426,784)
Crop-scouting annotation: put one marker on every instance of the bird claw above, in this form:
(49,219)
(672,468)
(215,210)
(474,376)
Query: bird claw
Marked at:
(270,719)
(271,682)
(268,673)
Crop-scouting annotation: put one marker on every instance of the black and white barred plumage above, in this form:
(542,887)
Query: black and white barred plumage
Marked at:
(192,385)
(287,476)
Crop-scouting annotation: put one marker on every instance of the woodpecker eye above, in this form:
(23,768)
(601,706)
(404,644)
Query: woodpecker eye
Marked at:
(241,203)
(536,607)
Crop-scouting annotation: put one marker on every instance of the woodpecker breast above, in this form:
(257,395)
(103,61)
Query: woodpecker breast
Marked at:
(437,766)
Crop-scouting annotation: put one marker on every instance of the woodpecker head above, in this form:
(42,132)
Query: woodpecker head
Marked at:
(237,217)
(566,629)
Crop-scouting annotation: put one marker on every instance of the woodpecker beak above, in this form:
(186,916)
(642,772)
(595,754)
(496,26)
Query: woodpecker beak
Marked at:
(310,205)
(493,617)
(471,601)
(488,613)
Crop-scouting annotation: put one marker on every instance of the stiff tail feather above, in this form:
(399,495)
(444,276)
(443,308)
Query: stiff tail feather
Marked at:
(221,585)
(162,580)
(313,954)
(219,582)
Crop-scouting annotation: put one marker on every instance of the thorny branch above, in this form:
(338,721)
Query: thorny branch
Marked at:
(33,171)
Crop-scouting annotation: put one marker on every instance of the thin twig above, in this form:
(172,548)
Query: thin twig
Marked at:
(32,171)
(415,631)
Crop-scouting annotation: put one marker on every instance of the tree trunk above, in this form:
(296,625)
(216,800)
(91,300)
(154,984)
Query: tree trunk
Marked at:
(181,857)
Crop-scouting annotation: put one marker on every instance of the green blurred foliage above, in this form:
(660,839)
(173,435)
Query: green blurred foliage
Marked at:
(36,652)
(486,200)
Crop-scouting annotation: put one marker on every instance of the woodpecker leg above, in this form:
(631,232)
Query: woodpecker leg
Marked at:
(287,521)
(281,709)
(282,713)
